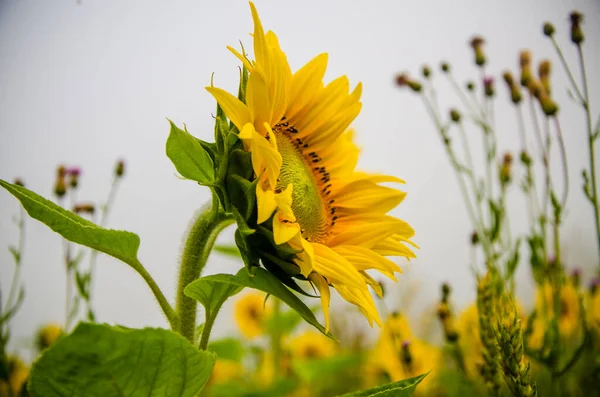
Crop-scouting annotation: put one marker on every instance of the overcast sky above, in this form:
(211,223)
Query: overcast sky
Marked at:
(86,84)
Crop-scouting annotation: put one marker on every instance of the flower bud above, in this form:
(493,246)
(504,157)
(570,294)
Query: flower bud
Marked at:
(536,88)
(577,35)
(594,285)
(544,69)
(74,173)
(86,208)
(446,291)
(415,86)
(426,71)
(455,115)
(507,158)
(18,182)
(515,94)
(474,238)
(576,277)
(445,66)
(61,171)
(549,107)
(508,78)
(526,76)
(60,188)
(505,174)
(525,58)
(548,29)
(470,86)
(120,168)
(488,86)
(477,45)
(525,158)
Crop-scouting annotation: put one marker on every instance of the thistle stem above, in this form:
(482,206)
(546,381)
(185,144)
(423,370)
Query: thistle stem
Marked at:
(18,259)
(198,245)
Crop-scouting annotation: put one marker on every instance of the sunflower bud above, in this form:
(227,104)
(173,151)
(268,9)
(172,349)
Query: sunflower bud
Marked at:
(577,35)
(477,45)
(47,335)
(445,66)
(120,168)
(426,71)
(455,115)
(548,29)
(488,86)
(18,182)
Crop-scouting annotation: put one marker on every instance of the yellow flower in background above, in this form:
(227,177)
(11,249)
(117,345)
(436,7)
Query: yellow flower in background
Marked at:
(568,317)
(225,371)
(18,373)
(394,332)
(250,314)
(308,188)
(311,345)
(594,310)
(467,326)
(48,334)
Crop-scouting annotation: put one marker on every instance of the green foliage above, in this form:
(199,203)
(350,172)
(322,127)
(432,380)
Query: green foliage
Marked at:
(120,244)
(229,250)
(261,280)
(319,370)
(190,157)
(103,361)
(228,349)
(402,388)
(211,294)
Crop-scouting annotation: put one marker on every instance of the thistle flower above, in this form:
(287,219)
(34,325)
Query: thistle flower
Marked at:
(403,80)
(120,168)
(488,86)
(515,91)
(577,35)
(19,182)
(73,173)
(548,29)
(477,43)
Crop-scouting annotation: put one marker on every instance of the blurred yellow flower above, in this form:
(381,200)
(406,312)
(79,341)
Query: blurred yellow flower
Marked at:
(308,188)
(18,373)
(250,314)
(225,371)
(48,334)
(467,326)
(594,310)
(568,318)
(311,345)
(394,332)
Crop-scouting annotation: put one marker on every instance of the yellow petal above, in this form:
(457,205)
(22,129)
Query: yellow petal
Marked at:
(335,267)
(369,234)
(261,51)
(283,229)
(361,298)
(259,101)
(374,284)
(363,194)
(305,83)
(235,109)
(242,58)
(323,288)
(265,202)
(284,203)
(364,259)
(304,259)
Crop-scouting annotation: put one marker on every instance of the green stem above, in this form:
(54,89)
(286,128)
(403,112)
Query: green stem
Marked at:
(591,141)
(276,335)
(162,301)
(208,324)
(18,259)
(198,245)
(563,156)
(567,69)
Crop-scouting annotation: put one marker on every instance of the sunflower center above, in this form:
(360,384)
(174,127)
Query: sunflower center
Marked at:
(309,193)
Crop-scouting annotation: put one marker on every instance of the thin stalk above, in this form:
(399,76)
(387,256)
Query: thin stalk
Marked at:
(568,70)
(198,245)
(563,156)
(12,294)
(532,197)
(160,297)
(208,325)
(591,141)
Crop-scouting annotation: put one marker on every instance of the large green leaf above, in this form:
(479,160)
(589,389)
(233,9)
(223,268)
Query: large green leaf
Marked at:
(102,361)
(402,388)
(264,281)
(120,244)
(190,158)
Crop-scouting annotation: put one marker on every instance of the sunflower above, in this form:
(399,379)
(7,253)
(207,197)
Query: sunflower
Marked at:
(304,161)
(17,375)
(311,345)
(250,314)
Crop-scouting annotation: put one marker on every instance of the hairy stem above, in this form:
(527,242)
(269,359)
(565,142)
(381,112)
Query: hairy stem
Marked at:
(198,245)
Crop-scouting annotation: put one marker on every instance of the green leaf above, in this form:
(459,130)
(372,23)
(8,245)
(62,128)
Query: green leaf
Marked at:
(402,388)
(311,370)
(264,281)
(229,250)
(210,294)
(228,349)
(103,361)
(191,160)
(120,244)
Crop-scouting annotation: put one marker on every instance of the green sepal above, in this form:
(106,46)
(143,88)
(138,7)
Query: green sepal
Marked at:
(244,74)
(248,254)
(191,156)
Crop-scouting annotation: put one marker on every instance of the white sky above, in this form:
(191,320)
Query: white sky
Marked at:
(85,84)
